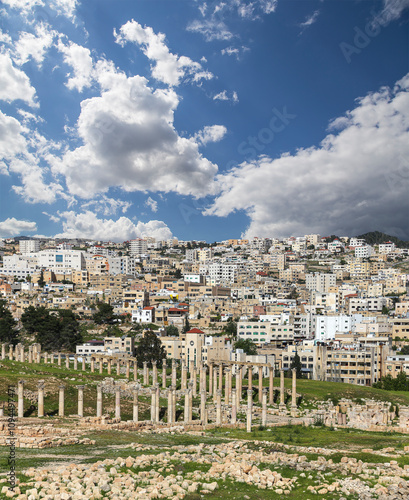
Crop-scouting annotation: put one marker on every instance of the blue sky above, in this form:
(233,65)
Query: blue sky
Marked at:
(203,120)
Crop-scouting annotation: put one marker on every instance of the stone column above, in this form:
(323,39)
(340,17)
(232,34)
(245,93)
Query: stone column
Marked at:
(92,364)
(118,367)
(67,361)
(59,359)
(30,355)
(203,406)
(164,373)
(250,378)
(215,385)
(83,363)
(75,362)
(61,401)
(282,405)
(20,394)
(218,407)
(194,381)
(153,404)
(157,393)
(271,385)
(221,377)
(80,400)
(118,402)
(210,379)
(45,358)
(294,390)
(174,374)
(135,404)
(10,352)
(227,393)
(239,384)
(128,369)
(3,351)
(38,357)
(170,404)
(234,406)
(190,394)
(99,400)
(135,370)
(184,378)
(154,373)
(145,373)
(41,398)
(22,354)
(186,414)
(101,364)
(51,358)
(249,410)
(260,384)
(264,407)
(109,368)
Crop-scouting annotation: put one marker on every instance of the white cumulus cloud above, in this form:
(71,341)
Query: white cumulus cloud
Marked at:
(14,83)
(33,46)
(80,60)
(14,227)
(129,141)
(152,204)
(88,225)
(169,68)
(355,181)
(212,133)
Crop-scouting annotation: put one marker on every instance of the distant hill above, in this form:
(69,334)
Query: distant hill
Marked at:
(376,237)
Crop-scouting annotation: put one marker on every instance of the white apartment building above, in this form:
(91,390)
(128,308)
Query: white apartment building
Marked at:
(320,282)
(19,266)
(145,315)
(222,273)
(363,252)
(387,247)
(29,246)
(327,326)
(368,304)
(61,261)
(122,265)
(357,242)
(138,247)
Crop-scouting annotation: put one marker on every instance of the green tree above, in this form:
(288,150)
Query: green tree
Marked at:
(8,331)
(385,310)
(186,326)
(54,331)
(172,331)
(150,349)
(41,281)
(296,363)
(230,328)
(104,314)
(248,346)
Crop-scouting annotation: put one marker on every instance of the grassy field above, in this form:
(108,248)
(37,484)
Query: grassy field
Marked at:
(112,444)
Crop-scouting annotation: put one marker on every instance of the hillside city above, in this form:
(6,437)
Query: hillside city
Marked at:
(339,304)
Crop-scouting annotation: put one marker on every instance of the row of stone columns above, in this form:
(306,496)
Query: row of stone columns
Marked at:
(155,405)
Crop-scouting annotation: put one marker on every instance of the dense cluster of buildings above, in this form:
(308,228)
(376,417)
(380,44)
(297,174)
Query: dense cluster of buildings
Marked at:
(340,304)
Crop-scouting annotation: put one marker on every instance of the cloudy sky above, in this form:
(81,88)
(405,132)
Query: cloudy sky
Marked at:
(203,120)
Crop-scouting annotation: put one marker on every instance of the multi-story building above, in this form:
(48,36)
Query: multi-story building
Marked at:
(264,332)
(360,365)
(320,282)
(138,247)
(29,246)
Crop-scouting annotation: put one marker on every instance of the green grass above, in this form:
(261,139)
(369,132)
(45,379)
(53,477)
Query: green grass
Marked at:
(345,439)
